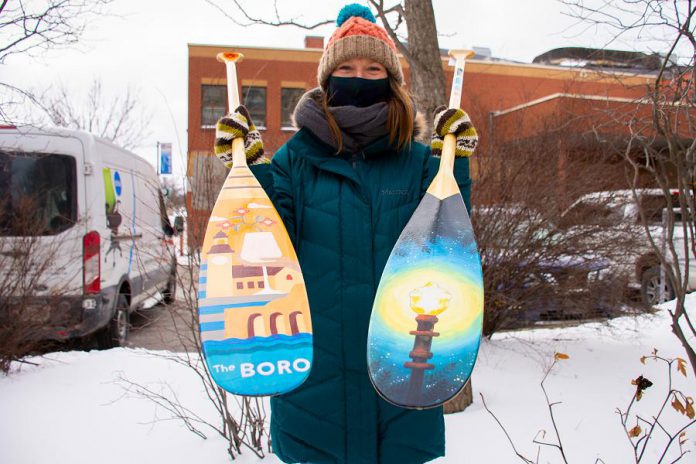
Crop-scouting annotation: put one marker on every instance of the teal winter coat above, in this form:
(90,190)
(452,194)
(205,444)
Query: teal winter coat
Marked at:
(344,214)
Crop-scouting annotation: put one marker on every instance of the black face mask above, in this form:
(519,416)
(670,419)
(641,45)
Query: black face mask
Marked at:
(356,91)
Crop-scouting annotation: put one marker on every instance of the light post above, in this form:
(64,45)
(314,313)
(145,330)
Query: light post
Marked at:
(427,302)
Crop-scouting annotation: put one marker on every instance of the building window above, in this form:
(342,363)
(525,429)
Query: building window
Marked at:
(213,104)
(250,284)
(260,284)
(240,285)
(288,101)
(288,277)
(255,101)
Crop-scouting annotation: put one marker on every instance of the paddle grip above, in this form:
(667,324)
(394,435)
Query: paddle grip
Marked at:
(450,143)
(230,60)
(457,82)
(460,57)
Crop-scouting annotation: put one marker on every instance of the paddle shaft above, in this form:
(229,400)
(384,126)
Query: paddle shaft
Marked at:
(450,142)
(444,184)
(460,57)
(230,60)
(232,89)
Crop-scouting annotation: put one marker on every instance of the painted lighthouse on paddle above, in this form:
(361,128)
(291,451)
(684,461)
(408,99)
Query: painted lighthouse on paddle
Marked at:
(254,320)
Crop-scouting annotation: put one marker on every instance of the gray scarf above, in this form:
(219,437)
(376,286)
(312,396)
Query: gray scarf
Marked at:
(359,126)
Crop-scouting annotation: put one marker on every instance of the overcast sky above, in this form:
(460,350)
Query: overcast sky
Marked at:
(144,44)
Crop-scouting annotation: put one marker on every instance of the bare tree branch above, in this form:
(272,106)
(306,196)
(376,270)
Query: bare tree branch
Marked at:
(663,144)
(119,119)
(382,15)
(422,53)
(240,10)
(30,26)
(639,19)
(507,435)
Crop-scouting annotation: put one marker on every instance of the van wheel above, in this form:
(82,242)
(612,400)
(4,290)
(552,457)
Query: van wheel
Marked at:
(115,334)
(169,293)
(650,287)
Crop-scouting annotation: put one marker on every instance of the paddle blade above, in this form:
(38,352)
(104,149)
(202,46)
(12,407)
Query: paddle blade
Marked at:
(427,316)
(254,316)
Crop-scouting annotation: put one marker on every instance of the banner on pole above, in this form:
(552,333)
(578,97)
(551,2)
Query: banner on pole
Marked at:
(165,158)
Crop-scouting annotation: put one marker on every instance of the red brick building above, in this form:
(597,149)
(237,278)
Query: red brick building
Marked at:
(506,101)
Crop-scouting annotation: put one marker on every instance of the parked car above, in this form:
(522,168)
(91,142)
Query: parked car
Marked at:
(619,212)
(97,214)
(531,273)
(655,286)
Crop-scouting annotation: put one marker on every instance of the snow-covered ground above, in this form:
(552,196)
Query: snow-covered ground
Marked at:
(72,407)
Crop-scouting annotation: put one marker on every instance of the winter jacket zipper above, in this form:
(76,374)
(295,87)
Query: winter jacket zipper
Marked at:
(354,161)
(372,236)
(354,158)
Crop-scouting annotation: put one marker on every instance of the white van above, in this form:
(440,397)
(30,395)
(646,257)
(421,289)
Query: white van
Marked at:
(87,221)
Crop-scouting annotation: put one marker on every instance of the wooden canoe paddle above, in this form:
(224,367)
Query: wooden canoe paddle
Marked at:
(254,318)
(427,316)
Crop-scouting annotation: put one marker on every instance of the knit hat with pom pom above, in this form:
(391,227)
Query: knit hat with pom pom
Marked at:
(358,35)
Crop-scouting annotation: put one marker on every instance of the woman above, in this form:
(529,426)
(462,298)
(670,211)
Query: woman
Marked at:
(345,185)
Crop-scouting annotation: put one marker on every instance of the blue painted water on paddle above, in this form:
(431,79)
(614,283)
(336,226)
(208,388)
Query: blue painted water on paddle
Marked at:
(260,365)
(453,366)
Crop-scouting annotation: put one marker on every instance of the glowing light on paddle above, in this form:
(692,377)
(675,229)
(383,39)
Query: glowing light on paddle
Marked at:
(399,288)
(429,299)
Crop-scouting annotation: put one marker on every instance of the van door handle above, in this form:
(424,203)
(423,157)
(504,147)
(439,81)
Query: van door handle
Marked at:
(126,237)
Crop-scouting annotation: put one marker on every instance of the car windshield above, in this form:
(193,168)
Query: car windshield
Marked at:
(587,213)
(37,193)
(517,223)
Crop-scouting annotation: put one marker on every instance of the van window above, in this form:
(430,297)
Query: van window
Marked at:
(38,193)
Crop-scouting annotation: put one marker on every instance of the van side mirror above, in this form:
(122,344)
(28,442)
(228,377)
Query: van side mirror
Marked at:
(179,223)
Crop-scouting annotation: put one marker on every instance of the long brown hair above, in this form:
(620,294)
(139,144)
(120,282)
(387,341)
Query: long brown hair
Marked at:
(399,117)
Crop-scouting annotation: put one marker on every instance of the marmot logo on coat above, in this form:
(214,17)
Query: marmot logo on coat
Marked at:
(394,192)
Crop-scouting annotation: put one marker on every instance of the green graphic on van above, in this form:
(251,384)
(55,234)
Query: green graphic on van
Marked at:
(113,217)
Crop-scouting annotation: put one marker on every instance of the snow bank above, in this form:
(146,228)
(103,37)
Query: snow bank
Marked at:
(71,407)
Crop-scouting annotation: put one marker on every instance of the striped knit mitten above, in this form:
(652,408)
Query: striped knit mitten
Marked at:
(453,121)
(238,124)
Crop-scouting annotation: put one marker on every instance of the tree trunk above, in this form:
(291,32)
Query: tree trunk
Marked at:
(463,399)
(427,76)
